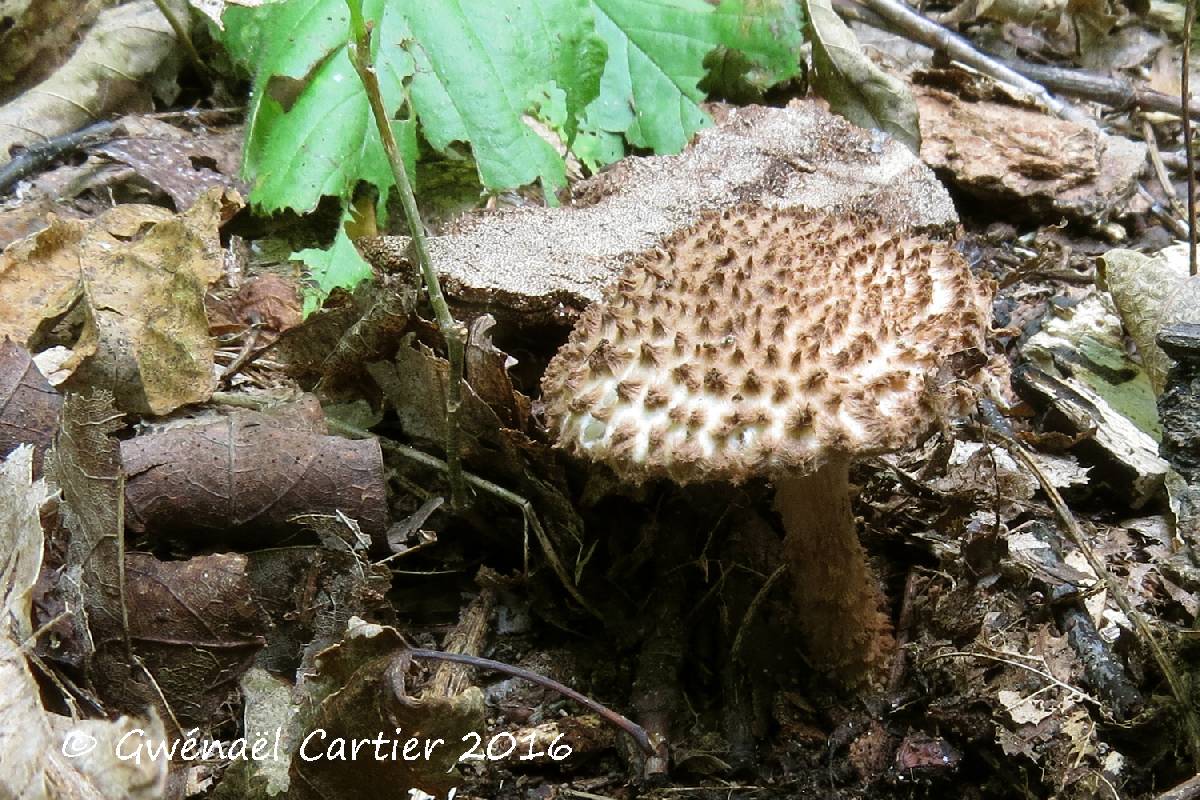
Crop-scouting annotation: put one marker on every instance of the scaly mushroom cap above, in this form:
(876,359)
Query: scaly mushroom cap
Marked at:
(764,342)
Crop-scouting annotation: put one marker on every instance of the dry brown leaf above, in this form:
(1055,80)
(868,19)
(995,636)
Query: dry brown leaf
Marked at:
(29,405)
(36,36)
(85,465)
(248,475)
(109,70)
(32,764)
(184,164)
(135,278)
(194,625)
(363,692)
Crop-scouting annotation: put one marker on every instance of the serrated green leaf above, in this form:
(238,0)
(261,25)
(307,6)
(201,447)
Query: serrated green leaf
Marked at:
(482,65)
(339,267)
(768,34)
(598,72)
(650,91)
(854,86)
(309,127)
(476,67)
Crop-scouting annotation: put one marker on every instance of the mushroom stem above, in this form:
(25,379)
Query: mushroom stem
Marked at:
(837,595)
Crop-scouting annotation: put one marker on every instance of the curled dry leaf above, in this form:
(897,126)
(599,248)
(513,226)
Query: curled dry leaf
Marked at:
(362,681)
(248,475)
(136,277)
(855,86)
(85,465)
(29,406)
(195,626)
(487,371)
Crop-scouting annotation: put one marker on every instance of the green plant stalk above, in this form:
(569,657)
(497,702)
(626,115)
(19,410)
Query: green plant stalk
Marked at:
(451,329)
(185,38)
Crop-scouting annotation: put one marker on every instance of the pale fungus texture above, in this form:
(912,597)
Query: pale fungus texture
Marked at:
(765,342)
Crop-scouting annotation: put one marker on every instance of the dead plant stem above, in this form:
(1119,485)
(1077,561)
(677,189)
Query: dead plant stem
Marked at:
(183,35)
(912,25)
(486,486)
(635,731)
(452,331)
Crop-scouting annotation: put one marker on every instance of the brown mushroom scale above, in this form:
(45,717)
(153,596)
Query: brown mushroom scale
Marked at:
(780,344)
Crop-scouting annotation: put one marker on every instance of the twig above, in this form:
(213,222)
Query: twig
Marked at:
(1116,92)
(1176,224)
(904,625)
(1191,722)
(484,485)
(184,37)
(1013,663)
(1160,169)
(37,156)
(1185,96)
(752,609)
(1111,90)
(624,723)
(916,27)
(451,329)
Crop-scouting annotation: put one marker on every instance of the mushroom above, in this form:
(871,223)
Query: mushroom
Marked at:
(780,344)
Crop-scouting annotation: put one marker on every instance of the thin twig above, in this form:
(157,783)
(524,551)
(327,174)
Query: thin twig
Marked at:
(1160,169)
(37,156)
(1113,91)
(451,329)
(484,485)
(636,732)
(1075,691)
(904,20)
(1185,96)
(1165,216)
(752,609)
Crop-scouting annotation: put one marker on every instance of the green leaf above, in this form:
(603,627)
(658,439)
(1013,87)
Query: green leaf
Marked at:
(598,72)
(650,91)
(854,86)
(482,65)
(768,34)
(340,266)
(309,127)
(473,69)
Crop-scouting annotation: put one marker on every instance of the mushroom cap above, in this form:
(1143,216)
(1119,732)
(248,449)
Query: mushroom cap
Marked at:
(763,342)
